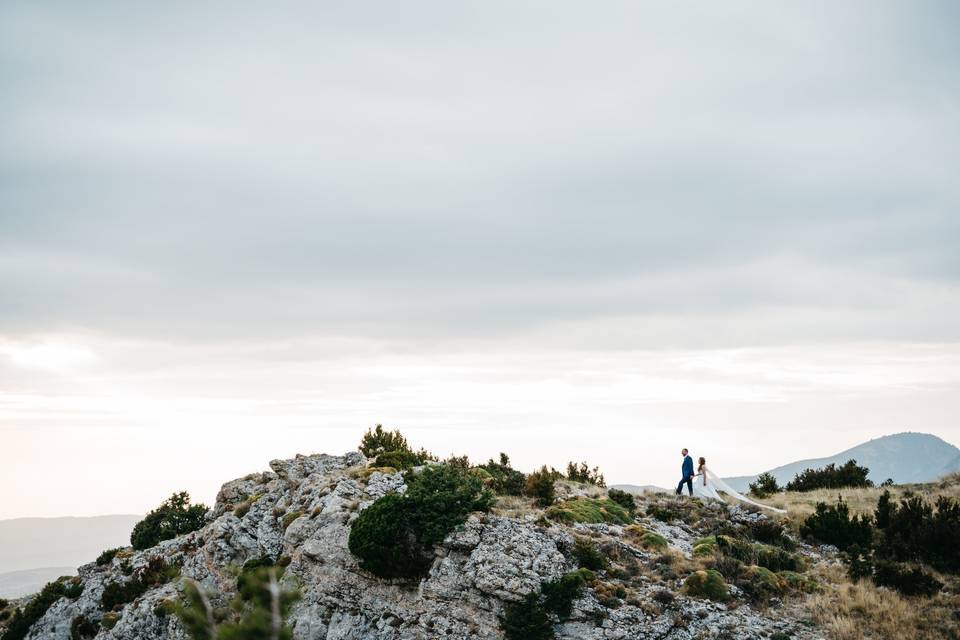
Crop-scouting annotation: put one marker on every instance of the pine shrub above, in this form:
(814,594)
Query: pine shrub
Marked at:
(539,486)
(832,524)
(765,485)
(175,517)
(395,536)
(831,477)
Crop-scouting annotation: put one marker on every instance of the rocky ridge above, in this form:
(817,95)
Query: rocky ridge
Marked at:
(301,512)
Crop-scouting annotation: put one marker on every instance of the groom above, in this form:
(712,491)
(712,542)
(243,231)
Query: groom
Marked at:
(687,473)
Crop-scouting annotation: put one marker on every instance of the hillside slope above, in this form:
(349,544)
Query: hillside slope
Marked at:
(904,457)
(300,514)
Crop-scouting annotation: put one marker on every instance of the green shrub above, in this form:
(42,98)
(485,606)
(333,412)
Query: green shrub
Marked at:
(155,573)
(587,555)
(589,510)
(530,618)
(651,540)
(539,486)
(394,537)
(82,628)
(908,580)
(399,459)
(559,594)
(761,584)
(623,499)
(749,553)
(378,440)
(527,620)
(707,584)
(916,531)
(663,514)
(831,477)
(771,532)
(23,619)
(175,517)
(765,485)
(107,556)
(583,473)
(833,525)
(504,480)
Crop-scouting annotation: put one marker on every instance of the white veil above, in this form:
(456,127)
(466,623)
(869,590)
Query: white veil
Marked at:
(723,487)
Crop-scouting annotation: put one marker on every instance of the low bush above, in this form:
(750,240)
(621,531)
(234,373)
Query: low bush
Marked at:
(154,574)
(23,619)
(504,480)
(288,519)
(401,460)
(583,473)
(831,477)
(624,499)
(81,628)
(530,619)
(378,440)
(539,486)
(587,555)
(832,524)
(908,580)
(527,620)
(765,485)
(771,532)
(750,553)
(663,513)
(589,510)
(707,584)
(175,517)
(394,537)
(914,530)
(107,556)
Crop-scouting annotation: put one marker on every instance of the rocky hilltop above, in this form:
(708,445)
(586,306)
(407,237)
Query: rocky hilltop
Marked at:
(299,514)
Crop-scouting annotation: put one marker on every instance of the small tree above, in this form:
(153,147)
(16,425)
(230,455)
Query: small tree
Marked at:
(539,486)
(850,474)
(834,525)
(175,517)
(583,473)
(765,485)
(378,440)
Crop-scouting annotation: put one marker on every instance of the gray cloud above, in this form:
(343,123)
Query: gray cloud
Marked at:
(734,175)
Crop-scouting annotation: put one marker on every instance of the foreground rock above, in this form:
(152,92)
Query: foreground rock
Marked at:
(301,512)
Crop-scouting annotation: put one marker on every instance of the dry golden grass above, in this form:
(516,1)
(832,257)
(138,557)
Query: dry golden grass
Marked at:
(801,505)
(514,507)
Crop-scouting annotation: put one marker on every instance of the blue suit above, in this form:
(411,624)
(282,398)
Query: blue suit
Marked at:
(687,475)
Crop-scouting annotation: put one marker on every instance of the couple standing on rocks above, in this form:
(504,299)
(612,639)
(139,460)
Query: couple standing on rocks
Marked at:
(706,485)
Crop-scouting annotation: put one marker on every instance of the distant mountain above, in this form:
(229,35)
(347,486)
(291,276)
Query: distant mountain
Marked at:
(904,457)
(17,584)
(30,546)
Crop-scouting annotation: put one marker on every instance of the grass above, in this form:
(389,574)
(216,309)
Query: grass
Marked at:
(589,510)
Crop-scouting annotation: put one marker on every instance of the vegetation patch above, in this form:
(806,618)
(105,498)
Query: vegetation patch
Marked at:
(82,628)
(583,473)
(539,486)
(23,619)
(831,476)
(589,510)
(587,555)
(533,617)
(765,485)
(707,583)
(624,499)
(504,479)
(288,519)
(107,556)
(175,517)
(394,537)
(156,573)
(833,524)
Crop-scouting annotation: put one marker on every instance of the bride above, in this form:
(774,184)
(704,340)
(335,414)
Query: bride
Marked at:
(708,485)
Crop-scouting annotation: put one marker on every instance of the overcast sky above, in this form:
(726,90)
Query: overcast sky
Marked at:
(561,230)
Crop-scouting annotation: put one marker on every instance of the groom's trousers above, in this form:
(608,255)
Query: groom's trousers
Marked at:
(688,482)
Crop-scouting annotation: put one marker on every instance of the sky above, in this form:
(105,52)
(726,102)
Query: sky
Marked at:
(567,231)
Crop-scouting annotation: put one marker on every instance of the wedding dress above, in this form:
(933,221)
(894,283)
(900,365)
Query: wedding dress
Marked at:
(708,485)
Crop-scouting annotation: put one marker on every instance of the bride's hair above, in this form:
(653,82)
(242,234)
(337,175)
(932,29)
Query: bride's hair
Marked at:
(703,462)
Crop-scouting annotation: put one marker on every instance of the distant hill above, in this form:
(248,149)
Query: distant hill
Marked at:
(31,546)
(640,489)
(904,457)
(17,584)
